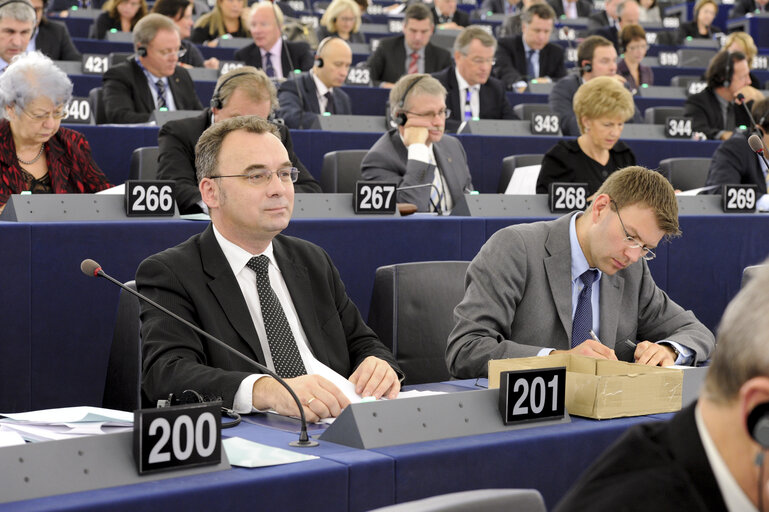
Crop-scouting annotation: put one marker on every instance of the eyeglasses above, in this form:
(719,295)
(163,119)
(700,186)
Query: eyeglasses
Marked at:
(630,241)
(446,112)
(263,176)
(56,115)
(181,52)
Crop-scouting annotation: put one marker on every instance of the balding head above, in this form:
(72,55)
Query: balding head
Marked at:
(333,61)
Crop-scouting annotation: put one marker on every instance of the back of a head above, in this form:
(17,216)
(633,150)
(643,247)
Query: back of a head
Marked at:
(409,86)
(761,114)
(417,11)
(742,351)
(31,76)
(720,69)
(148,27)
(171,8)
(744,40)
(252,82)
(19,10)
(540,10)
(638,185)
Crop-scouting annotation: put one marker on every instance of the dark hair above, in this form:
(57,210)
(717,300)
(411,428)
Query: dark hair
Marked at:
(542,11)
(417,12)
(171,8)
(719,70)
(630,33)
(761,113)
(586,48)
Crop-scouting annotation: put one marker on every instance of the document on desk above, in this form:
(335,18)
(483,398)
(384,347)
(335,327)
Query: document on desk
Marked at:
(248,454)
(66,423)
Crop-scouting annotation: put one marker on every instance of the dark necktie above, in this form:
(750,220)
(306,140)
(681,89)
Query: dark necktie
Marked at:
(330,107)
(268,69)
(468,107)
(161,94)
(530,64)
(285,353)
(583,315)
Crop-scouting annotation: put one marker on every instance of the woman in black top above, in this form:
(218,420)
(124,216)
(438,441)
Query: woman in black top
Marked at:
(229,17)
(702,26)
(602,106)
(120,16)
(341,19)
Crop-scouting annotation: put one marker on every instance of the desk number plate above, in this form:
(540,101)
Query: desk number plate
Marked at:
(149,198)
(532,395)
(567,197)
(180,436)
(375,197)
(739,198)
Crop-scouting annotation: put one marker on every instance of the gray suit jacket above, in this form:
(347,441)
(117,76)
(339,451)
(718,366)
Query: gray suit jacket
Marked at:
(518,301)
(387,160)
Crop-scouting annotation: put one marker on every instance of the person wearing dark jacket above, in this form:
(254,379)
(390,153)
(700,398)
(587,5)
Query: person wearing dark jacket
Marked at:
(602,106)
(51,38)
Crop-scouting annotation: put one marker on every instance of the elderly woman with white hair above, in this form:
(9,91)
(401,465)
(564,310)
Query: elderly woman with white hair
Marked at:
(36,154)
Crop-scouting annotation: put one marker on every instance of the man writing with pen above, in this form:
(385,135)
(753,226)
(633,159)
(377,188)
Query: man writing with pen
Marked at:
(541,288)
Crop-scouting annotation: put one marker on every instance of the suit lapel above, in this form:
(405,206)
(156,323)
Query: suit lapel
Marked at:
(174,83)
(558,270)
(446,162)
(284,61)
(453,94)
(310,91)
(144,95)
(225,288)
(610,296)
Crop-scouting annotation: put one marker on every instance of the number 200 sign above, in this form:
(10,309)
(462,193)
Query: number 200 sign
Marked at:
(532,395)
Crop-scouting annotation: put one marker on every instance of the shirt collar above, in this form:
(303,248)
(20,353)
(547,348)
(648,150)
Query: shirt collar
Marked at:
(526,47)
(319,85)
(734,497)
(579,263)
(236,256)
(275,50)
(409,51)
(463,85)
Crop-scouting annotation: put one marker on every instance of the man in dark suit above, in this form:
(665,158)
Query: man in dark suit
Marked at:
(605,18)
(241,92)
(416,153)
(715,110)
(409,53)
(539,289)
(278,58)
(734,162)
(306,97)
(507,7)
(17,23)
(277,299)
(153,80)
(571,8)
(743,7)
(711,455)
(628,13)
(51,38)
(471,93)
(531,54)
(447,16)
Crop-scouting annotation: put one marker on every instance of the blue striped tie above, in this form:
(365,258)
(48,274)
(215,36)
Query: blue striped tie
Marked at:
(583,315)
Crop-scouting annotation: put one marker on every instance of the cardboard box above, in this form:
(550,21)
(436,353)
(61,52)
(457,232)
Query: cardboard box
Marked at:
(601,389)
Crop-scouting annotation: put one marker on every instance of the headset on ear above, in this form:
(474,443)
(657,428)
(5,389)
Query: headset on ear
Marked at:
(758,424)
(318,59)
(216,100)
(728,70)
(587,67)
(141,51)
(401,118)
(25,2)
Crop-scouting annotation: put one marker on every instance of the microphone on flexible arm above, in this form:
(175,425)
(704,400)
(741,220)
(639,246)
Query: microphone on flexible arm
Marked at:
(757,145)
(440,196)
(741,97)
(92,269)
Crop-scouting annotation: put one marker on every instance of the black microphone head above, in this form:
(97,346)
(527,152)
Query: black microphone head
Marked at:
(90,268)
(755,143)
(740,97)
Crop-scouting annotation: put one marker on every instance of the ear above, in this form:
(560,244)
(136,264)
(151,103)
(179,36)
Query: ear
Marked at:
(601,206)
(209,192)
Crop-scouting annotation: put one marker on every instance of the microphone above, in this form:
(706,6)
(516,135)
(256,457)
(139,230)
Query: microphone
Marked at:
(92,269)
(440,196)
(757,145)
(741,97)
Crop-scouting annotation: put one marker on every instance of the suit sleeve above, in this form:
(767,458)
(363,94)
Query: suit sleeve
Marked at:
(376,66)
(305,58)
(727,164)
(558,65)
(487,311)
(305,183)
(560,101)
(507,71)
(118,100)
(102,25)
(174,357)
(176,161)
(291,108)
(200,35)
(696,108)
(659,318)
(67,50)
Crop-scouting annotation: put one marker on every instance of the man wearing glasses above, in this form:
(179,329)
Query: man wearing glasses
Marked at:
(471,91)
(277,299)
(576,285)
(153,80)
(430,169)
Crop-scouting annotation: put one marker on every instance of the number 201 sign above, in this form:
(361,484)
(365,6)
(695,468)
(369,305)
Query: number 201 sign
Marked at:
(532,395)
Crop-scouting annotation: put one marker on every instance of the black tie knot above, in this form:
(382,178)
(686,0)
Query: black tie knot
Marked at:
(259,264)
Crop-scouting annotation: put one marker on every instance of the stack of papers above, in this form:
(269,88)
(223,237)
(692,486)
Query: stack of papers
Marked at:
(64,423)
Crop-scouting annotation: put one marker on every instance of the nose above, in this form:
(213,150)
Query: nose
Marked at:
(633,254)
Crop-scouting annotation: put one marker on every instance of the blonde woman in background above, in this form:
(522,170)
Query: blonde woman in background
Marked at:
(228,18)
(342,19)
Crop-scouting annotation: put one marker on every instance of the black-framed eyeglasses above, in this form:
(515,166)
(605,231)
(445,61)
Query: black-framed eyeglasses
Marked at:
(630,241)
(262,177)
(443,113)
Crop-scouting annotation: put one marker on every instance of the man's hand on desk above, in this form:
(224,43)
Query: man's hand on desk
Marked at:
(319,397)
(654,354)
(375,377)
(590,348)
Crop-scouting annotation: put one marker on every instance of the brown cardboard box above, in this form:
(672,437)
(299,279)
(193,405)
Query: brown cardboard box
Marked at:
(601,389)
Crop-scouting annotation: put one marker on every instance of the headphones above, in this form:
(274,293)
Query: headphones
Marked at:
(25,2)
(758,424)
(588,67)
(141,51)
(728,70)
(401,118)
(216,100)
(321,45)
